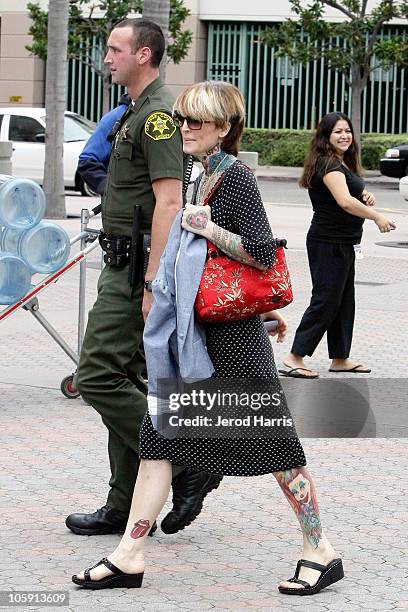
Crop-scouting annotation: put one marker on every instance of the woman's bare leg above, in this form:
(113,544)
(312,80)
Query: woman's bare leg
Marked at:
(149,496)
(298,487)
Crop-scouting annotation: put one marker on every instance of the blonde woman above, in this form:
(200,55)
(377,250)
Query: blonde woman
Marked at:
(210,116)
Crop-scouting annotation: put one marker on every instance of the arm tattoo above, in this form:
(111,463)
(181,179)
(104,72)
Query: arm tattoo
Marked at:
(231,245)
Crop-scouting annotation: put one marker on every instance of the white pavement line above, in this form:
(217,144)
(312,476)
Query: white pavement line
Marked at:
(399,211)
(14,384)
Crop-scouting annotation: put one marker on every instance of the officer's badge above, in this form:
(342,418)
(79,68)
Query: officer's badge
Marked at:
(121,134)
(124,132)
(159,126)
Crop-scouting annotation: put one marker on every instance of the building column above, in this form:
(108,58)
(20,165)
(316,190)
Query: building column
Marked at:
(194,67)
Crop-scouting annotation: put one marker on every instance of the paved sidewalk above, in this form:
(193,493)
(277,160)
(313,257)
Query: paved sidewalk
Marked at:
(53,454)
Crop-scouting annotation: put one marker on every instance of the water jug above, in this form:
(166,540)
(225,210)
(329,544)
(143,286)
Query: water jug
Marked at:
(9,240)
(22,202)
(15,278)
(45,247)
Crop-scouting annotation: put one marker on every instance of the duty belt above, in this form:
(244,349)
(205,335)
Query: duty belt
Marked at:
(117,249)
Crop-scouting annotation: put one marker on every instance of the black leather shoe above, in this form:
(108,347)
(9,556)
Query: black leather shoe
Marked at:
(105,520)
(189,491)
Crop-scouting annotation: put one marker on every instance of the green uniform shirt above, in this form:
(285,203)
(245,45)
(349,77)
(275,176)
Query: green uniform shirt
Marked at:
(147,147)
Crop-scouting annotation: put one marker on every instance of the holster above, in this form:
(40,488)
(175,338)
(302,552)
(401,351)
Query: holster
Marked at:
(122,250)
(116,249)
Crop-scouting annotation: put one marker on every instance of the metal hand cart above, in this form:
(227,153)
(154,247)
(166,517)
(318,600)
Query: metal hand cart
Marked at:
(88,239)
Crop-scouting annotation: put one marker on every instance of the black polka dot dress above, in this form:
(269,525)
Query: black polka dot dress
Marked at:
(240,349)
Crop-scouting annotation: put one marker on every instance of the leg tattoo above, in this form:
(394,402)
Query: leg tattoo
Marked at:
(299,489)
(140,529)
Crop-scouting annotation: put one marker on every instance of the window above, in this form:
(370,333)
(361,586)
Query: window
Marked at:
(77,128)
(1,120)
(24,129)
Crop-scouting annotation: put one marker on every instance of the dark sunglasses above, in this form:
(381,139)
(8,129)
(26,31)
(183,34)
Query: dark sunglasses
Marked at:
(193,124)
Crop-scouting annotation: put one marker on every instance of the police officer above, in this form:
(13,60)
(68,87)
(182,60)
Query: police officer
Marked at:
(145,168)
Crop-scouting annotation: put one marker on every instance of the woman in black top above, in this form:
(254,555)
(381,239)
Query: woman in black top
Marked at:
(332,174)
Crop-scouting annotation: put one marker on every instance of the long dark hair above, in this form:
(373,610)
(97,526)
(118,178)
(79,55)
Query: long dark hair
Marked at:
(321,149)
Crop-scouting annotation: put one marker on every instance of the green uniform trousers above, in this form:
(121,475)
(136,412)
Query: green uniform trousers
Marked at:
(110,380)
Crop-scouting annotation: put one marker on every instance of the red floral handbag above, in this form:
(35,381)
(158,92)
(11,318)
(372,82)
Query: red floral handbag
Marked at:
(230,290)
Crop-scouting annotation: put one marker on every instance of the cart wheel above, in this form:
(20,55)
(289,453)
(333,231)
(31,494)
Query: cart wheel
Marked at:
(68,388)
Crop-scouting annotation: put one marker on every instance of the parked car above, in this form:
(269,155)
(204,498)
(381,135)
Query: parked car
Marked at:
(395,161)
(25,127)
(403,187)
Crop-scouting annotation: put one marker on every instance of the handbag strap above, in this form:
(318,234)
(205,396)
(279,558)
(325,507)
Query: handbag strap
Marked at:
(214,189)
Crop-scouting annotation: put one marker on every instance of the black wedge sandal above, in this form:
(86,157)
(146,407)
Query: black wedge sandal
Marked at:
(330,573)
(119,580)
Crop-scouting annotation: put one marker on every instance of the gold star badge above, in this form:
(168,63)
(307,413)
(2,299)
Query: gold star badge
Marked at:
(159,126)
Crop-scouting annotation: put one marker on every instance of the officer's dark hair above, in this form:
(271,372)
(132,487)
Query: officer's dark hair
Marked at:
(146,33)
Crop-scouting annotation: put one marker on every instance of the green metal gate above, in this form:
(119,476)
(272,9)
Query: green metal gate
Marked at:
(84,85)
(282,94)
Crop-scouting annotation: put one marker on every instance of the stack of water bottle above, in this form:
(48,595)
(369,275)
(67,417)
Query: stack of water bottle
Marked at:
(28,245)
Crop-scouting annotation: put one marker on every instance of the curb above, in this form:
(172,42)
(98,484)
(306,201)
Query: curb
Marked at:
(290,179)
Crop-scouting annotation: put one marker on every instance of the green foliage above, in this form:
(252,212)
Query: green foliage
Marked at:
(277,147)
(289,147)
(358,42)
(38,30)
(82,28)
(180,40)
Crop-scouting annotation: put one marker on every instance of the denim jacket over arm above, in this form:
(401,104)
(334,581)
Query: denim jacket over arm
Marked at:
(174,342)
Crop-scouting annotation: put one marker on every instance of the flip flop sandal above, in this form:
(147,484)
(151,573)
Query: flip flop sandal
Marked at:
(354,370)
(118,580)
(295,373)
(330,573)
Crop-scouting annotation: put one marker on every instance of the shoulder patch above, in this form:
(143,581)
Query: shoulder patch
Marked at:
(159,126)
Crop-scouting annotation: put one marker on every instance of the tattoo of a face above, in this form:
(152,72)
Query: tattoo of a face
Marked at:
(298,487)
(140,529)
(197,220)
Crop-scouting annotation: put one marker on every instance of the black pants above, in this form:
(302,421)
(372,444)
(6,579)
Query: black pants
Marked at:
(332,304)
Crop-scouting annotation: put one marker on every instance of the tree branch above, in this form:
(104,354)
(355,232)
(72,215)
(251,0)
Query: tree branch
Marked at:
(373,37)
(339,7)
(363,8)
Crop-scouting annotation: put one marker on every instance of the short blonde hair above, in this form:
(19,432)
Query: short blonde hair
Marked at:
(216,101)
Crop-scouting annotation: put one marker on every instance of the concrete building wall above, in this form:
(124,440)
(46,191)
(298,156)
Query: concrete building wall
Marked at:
(259,10)
(21,75)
